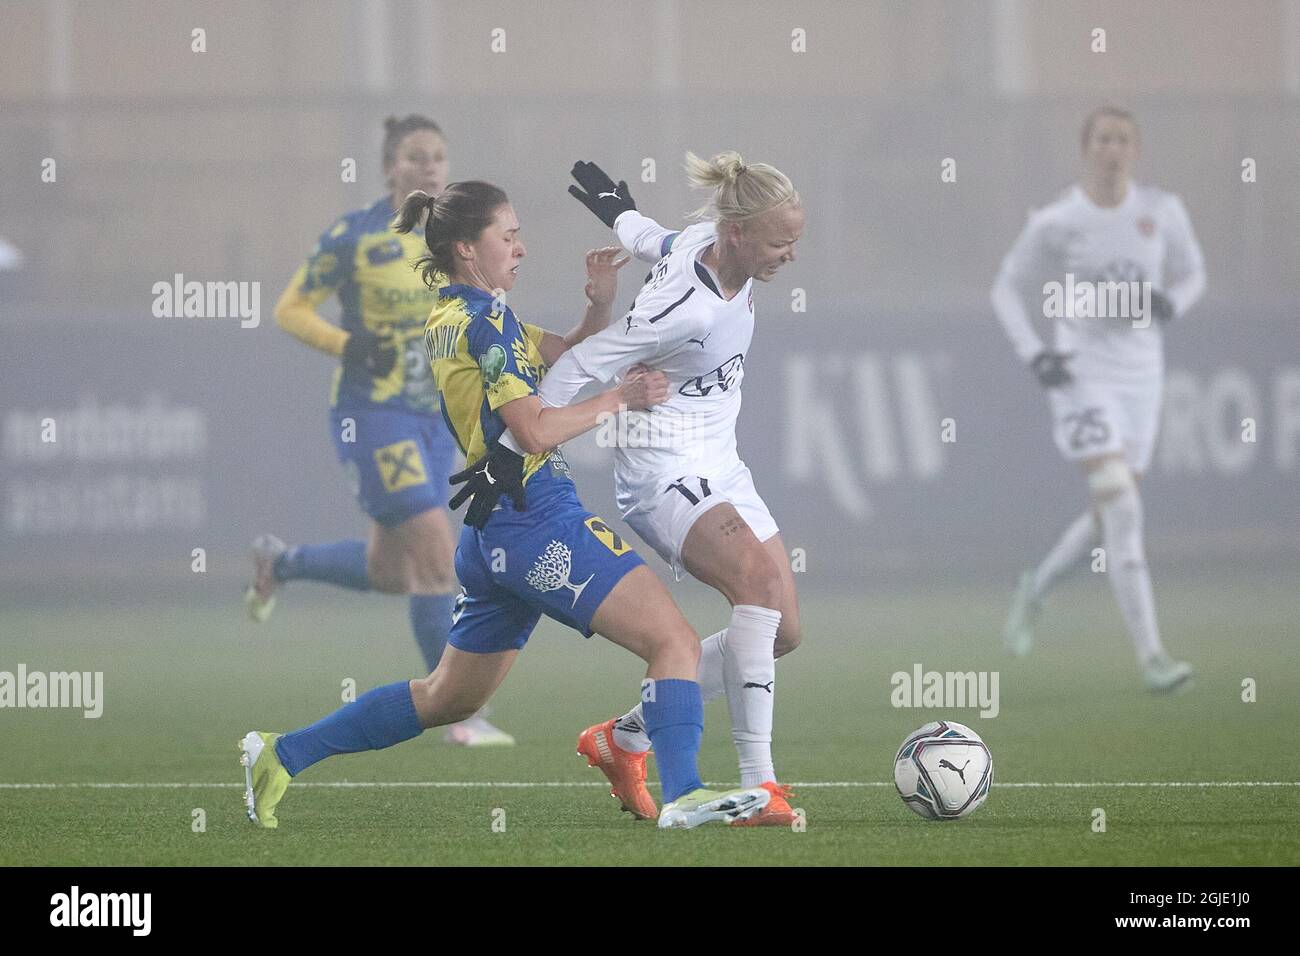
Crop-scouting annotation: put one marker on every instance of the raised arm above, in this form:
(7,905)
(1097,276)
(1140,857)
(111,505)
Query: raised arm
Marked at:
(613,205)
(643,237)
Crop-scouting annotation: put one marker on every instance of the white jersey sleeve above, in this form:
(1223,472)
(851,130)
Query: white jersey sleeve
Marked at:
(559,385)
(654,328)
(607,354)
(562,381)
(642,236)
(1184,272)
(1027,261)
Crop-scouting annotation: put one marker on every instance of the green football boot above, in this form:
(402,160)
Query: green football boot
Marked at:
(265,778)
(259,598)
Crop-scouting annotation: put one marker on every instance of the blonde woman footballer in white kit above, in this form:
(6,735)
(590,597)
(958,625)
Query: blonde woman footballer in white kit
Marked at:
(1105,374)
(680,482)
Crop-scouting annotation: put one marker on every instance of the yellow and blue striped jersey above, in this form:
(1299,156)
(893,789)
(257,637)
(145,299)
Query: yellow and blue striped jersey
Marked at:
(368,265)
(483,357)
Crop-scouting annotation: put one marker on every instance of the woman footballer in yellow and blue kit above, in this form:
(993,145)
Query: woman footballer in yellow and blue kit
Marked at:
(484,358)
(384,410)
(539,551)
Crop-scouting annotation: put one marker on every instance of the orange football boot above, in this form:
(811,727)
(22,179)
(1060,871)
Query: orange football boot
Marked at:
(624,770)
(777,813)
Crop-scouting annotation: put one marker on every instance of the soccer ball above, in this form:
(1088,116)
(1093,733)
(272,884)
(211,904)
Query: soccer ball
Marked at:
(943,771)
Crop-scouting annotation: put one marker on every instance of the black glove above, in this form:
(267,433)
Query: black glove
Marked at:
(1162,310)
(599,193)
(499,472)
(1050,368)
(366,350)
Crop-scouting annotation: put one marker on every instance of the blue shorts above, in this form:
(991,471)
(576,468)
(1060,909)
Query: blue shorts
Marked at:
(556,558)
(399,460)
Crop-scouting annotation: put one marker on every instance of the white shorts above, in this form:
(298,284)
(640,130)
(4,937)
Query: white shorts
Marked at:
(664,511)
(1092,418)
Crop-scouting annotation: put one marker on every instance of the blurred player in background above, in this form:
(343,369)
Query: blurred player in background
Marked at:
(384,414)
(539,551)
(1105,373)
(684,488)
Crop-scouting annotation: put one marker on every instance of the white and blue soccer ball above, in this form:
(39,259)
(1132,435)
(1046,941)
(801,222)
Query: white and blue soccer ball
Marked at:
(943,771)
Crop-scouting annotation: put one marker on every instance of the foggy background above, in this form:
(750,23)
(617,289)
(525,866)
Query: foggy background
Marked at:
(224,165)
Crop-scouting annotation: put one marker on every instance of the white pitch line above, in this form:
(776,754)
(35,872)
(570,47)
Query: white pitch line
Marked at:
(546,784)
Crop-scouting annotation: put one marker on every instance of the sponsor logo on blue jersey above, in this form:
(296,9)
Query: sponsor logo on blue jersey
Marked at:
(383,252)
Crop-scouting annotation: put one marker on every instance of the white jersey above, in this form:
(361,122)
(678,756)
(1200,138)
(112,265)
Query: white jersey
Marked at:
(1146,238)
(681,325)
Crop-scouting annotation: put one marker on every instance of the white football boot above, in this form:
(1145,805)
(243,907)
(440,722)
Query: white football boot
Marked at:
(477,732)
(1018,633)
(704,806)
(1163,674)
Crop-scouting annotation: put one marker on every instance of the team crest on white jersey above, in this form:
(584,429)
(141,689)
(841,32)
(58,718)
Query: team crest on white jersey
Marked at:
(723,377)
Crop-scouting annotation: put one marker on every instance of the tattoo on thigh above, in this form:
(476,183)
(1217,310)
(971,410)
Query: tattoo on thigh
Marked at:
(732,525)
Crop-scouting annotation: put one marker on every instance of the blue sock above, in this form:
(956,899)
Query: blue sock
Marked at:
(338,562)
(674,721)
(431,620)
(377,719)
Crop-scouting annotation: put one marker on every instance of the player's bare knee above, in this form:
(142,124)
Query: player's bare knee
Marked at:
(428,573)
(678,646)
(435,708)
(682,640)
(426,705)
(757,580)
(426,580)
(387,571)
(1108,479)
(458,711)
(428,562)
(386,581)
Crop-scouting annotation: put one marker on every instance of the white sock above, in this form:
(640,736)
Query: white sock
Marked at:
(749,674)
(1068,552)
(1126,566)
(629,730)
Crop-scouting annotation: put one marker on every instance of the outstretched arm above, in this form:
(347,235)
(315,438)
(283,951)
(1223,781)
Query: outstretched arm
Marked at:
(536,428)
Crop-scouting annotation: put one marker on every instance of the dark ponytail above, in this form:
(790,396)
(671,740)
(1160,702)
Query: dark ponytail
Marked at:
(459,213)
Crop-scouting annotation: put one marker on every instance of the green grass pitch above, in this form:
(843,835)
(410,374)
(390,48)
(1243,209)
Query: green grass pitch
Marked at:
(182,684)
